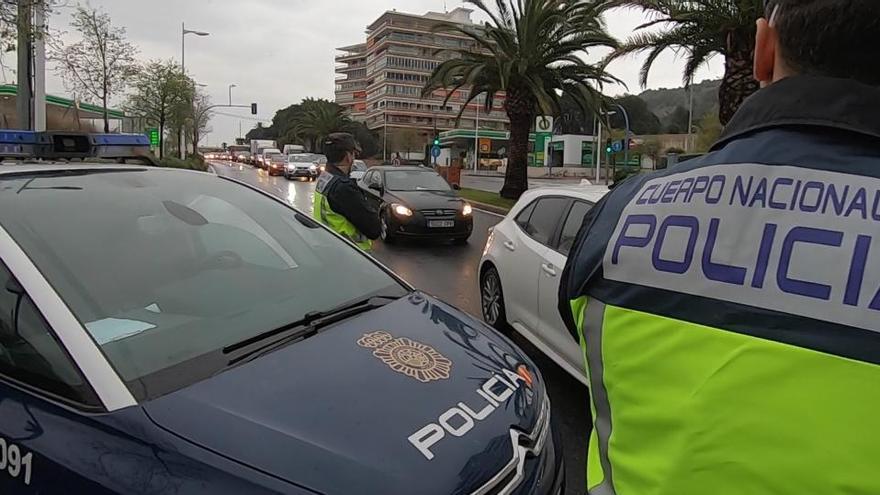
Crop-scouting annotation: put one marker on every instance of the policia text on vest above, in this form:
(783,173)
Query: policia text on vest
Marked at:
(811,261)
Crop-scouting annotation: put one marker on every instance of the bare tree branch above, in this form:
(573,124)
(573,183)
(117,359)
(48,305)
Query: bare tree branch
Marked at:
(100,64)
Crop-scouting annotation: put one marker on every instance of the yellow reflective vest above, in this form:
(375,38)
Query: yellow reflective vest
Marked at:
(322,212)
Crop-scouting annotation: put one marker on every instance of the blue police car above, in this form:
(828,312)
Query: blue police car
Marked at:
(175,332)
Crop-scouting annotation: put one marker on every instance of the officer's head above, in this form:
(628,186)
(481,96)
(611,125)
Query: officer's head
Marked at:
(835,38)
(341,149)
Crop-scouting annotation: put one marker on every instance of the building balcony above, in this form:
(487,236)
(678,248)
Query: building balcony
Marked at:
(350,57)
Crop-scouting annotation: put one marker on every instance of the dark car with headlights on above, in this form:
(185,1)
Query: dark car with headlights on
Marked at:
(276,164)
(419,203)
(177,332)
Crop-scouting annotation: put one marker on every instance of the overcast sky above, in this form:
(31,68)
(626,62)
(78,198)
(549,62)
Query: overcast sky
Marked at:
(280,51)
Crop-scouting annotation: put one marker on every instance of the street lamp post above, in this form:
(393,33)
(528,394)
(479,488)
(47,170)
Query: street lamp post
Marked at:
(183,32)
(690,138)
(599,143)
(230,93)
(477,137)
(626,144)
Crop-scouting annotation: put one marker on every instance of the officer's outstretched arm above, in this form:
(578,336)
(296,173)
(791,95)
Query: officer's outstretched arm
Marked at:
(348,200)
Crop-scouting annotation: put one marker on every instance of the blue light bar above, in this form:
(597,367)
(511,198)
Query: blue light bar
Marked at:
(64,145)
(20,137)
(120,140)
(21,144)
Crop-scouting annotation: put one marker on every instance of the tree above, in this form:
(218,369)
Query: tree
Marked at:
(367,139)
(200,118)
(709,131)
(10,21)
(677,123)
(650,148)
(158,92)
(100,64)
(702,29)
(406,140)
(530,50)
(261,132)
(319,119)
(573,120)
(641,120)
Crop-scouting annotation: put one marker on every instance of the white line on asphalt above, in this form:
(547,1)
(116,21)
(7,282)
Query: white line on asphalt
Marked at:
(489,212)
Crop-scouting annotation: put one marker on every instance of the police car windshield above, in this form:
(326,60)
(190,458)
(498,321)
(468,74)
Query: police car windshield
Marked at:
(164,268)
(415,180)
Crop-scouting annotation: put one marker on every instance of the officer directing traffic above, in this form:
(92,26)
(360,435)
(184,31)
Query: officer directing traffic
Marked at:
(729,308)
(339,203)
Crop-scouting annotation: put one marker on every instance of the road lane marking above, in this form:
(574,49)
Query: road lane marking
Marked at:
(487,212)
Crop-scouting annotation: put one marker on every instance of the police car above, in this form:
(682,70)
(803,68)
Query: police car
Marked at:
(170,331)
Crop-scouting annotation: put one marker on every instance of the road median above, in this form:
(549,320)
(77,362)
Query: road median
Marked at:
(488,201)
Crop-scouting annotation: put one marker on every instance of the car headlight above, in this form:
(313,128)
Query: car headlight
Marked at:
(313,168)
(467,210)
(401,210)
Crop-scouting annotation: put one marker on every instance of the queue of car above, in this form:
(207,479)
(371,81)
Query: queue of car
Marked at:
(166,330)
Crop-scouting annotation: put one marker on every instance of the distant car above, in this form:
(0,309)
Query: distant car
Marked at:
(243,157)
(358,170)
(531,244)
(262,160)
(419,203)
(173,332)
(276,163)
(293,149)
(301,165)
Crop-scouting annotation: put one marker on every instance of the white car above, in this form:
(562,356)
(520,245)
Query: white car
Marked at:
(358,170)
(522,263)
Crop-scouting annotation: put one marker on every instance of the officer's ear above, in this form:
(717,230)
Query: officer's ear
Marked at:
(766,43)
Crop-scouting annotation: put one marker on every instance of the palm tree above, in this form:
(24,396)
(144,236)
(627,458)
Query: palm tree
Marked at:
(319,119)
(702,28)
(530,50)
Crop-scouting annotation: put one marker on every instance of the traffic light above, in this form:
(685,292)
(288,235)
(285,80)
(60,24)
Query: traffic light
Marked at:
(436,140)
(253,108)
(609,146)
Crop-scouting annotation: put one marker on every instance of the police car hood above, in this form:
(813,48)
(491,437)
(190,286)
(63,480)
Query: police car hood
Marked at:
(335,413)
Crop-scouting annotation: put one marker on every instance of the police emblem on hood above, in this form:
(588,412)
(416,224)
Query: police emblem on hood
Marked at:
(413,359)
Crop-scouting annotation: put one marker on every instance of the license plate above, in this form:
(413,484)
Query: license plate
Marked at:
(441,224)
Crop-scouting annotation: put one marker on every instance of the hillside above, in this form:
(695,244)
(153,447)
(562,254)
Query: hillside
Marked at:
(663,102)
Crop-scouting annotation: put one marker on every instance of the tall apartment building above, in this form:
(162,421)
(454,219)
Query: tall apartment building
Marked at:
(381,80)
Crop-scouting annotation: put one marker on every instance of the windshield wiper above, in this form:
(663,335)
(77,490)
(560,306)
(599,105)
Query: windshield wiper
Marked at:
(304,328)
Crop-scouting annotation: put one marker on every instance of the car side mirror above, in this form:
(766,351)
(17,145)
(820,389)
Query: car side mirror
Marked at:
(456,187)
(376,187)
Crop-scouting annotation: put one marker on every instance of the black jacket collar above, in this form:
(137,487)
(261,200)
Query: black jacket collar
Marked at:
(334,170)
(808,101)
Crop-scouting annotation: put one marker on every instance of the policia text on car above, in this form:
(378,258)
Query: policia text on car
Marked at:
(729,308)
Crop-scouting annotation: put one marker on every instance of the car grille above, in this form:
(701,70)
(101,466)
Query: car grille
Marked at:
(524,445)
(439,213)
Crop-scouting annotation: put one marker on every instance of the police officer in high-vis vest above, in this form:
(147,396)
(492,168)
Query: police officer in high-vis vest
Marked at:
(728,308)
(339,203)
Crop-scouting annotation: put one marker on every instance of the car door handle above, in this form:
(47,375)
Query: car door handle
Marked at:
(510,246)
(549,269)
